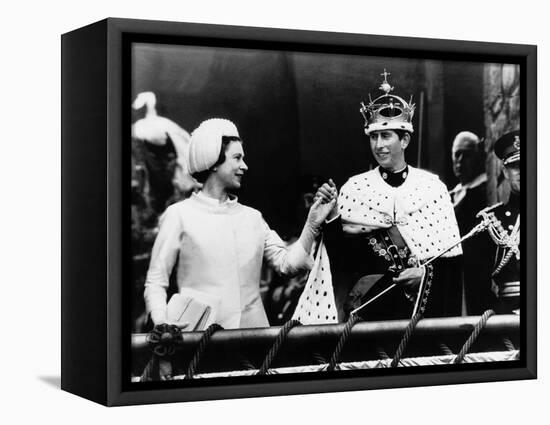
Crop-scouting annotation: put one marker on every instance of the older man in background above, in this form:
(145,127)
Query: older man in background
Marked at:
(469,196)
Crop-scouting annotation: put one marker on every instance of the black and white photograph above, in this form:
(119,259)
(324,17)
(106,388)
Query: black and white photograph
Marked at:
(322,214)
(278,212)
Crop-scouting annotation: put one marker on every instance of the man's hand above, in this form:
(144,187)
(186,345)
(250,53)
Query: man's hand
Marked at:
(328,194)
(410,278)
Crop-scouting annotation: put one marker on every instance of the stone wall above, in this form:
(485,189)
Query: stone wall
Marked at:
(502,106)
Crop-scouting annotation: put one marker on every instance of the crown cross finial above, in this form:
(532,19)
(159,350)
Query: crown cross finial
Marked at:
(388,111)
(385,86)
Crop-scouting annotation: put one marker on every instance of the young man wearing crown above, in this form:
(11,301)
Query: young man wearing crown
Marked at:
(389,224)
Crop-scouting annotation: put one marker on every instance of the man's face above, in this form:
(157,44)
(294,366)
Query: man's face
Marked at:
(388,149)
(465,160)
(511,172)
(231,171)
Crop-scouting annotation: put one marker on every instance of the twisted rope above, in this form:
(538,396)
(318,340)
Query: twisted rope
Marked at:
(405,340)
(151,370)
(247,364)
(417,317)
(508,344)
(446,350)
(319,358)
(382,355)
(473,336)
(335,358)
(205,339)
(277,345)
(162,341)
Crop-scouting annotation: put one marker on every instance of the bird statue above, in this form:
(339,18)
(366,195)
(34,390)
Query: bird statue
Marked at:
(163,139)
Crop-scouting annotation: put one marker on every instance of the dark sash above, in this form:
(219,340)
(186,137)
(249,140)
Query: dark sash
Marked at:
(392,304)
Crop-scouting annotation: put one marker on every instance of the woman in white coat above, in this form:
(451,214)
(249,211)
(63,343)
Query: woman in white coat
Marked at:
(219,245)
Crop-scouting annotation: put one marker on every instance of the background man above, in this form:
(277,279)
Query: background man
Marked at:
(505,234)
(469,196)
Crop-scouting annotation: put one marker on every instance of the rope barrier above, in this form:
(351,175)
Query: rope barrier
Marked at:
(162,340)
(405,340)
(151,370)
(192,368)
(508,344)
(319,358)
(473,336)
(335,358)
(247,364)
(277,345)
(445,349)
(417,317)
(162,347)
(382,355)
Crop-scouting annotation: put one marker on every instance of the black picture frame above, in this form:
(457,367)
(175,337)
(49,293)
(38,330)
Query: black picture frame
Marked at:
(95,124)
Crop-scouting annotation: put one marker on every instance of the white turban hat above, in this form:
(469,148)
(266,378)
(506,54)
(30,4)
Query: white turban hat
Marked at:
(206,143)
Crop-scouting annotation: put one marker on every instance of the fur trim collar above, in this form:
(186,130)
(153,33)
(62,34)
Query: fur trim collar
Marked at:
(420,208)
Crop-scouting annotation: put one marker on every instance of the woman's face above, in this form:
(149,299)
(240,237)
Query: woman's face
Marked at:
(231,171)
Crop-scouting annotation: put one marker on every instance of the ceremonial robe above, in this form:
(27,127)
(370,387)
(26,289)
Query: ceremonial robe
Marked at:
(371,211)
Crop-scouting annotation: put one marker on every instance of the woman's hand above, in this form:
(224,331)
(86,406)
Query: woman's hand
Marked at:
(410,278)
(319,211)
(181,325)
(323,207)
(159,318)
